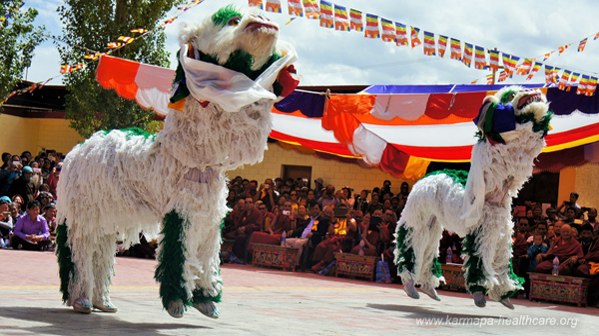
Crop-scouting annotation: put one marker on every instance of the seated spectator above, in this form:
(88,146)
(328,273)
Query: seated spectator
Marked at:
(538,247)
(8,175)
(520,240)
(328,197)
(246,220)
(44,198)
(22,187)
(53,179)
(315,231)
(571,204)
(374,204)
(50,217)
(31,230)
(6,224)
(361,201)
(370,235)
(588,266)
(586,238)
(565,248)
(17,201)
(592,220)
(37,179)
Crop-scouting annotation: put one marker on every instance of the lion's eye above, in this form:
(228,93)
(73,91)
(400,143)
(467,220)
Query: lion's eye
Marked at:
(234,21)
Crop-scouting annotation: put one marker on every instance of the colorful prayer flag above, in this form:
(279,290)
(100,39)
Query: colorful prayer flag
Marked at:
(573,79)
(113,45)
(341,18)
(402,34)
(467,59)
(139,30)
(547,55)
(591,86)
(414,37)
(311,9)
(564,80)
(295,8)
(582,86)
(326,14)
(563,48)
(273,6)
(372,26)
(474,81)
(494,59)
(596,36)
(456,49)
(429,46)
(503,76)
(524,68)
(388,30)
(480,57)
(65,68)
(551,75)
(490,79)
(582,44)
(355,20)
(255,3)
(441,45)
(125,39)
(534,71)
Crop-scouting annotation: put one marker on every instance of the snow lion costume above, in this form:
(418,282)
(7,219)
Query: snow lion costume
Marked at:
(477,206)
(118,183)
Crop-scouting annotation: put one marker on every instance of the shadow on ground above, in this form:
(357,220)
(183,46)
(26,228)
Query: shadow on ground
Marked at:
(423,312)
(65,321)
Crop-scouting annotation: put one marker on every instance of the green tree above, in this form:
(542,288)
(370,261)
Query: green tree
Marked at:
(18,39)
(91,25)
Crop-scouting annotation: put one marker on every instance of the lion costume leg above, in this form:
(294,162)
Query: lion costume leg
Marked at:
(82,282)
(205,267)
(103,261)
(416,257)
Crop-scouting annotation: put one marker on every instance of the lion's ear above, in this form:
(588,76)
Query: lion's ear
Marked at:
(187,33)
(489,103)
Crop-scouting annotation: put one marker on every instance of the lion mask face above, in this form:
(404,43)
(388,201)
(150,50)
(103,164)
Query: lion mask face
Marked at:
(511,106)
(229,30)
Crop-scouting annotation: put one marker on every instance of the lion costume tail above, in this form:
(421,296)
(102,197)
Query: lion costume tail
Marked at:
(66,267)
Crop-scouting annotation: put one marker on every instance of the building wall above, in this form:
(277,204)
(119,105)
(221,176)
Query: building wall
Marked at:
(19,134)
(584,181)
(334,172)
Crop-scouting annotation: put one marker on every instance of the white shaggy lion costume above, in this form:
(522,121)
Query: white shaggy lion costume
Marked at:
(512,125)
(121,182)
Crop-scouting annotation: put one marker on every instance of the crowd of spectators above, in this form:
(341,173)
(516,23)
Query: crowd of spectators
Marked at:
(318,219)
(27,199)
(324,220)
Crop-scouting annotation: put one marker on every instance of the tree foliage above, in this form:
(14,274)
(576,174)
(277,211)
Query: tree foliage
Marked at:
(90,26)
(18,39)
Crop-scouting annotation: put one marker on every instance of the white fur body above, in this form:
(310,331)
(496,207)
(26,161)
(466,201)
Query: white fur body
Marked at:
(116,185)
(436,202)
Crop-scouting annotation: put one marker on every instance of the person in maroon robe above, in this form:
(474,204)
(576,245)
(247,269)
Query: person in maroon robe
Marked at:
(565,248)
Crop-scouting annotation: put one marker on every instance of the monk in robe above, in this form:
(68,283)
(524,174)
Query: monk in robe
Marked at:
(588,266)
(565,248)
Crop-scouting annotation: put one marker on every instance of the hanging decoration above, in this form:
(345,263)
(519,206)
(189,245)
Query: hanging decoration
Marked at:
(355,22)
(372,26)
(477,53)
(341,18)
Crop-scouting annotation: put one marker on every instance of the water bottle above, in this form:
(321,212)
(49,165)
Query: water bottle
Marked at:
(555,270)
(449,257)
(283,238)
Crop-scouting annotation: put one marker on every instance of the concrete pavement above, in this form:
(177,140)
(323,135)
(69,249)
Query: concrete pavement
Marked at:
(260,301)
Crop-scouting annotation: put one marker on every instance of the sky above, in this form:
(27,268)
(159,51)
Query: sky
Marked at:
(525,28)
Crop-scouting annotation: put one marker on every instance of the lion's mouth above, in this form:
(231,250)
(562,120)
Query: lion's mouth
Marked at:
(534,97)
(256,25)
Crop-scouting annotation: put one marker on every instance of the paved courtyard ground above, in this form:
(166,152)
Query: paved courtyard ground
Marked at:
(261,301)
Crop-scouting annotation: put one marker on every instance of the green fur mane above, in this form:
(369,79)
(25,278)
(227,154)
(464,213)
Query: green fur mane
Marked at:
(223,15)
